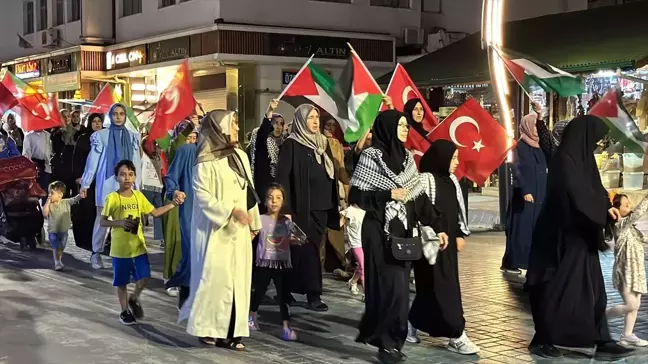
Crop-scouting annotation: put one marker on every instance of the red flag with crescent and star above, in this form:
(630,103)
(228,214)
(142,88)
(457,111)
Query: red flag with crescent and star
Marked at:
(175,104)
(402,89)
(36,109)
(482,142)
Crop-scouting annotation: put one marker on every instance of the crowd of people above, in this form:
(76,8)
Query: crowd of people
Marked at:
(273,212)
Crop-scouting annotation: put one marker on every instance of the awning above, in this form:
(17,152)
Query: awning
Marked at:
(583,41)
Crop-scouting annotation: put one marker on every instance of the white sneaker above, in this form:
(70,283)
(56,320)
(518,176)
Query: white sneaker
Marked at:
(173,291)
(97,263)
(353,287)
(632,341)
(412,336)
(463,345)
(58,266)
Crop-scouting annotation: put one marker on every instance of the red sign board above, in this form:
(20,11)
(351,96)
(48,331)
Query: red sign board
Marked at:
(29,69)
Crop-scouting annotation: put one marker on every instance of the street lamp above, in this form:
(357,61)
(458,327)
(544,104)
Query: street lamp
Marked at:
(492,42)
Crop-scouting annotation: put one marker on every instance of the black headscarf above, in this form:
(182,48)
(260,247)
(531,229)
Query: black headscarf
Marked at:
(385,139)
(437,159)
(573,170)
(408,109)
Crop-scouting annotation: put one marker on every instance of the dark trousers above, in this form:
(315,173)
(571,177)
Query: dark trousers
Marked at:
(260,282)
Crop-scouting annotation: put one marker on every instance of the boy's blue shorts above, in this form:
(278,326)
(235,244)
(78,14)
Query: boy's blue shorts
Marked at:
(125,268)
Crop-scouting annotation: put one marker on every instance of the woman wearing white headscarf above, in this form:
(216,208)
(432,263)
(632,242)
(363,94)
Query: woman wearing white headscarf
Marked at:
(307,174)
(221,245)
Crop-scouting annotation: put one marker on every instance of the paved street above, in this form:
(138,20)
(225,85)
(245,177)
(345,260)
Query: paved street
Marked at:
(72,317)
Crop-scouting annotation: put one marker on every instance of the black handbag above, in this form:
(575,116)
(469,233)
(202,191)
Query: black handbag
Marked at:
(407,249)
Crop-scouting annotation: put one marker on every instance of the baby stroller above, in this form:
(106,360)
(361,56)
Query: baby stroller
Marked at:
(21,216)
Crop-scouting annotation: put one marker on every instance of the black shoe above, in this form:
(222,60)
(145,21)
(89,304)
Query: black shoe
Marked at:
(136,308)
(127,318)
(545,351)
(612,351)
(390,356)
(317,306)
(182,296)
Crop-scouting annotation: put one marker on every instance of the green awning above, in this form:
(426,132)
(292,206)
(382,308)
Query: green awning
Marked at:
(583,41)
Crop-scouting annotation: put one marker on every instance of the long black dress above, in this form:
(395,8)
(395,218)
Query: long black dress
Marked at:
(311,198)
(564,280)
(85,212)
(384,323)
(437,308)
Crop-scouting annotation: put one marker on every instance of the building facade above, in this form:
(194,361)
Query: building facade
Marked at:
(242,53)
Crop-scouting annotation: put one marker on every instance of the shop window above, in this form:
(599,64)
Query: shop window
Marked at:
(165,3)
(431,6)
(28,17)
(74,10)
(131,7)
(42,15)
(401,4)
(59,12)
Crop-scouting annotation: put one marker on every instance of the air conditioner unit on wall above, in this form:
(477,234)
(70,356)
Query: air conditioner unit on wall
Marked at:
(413,36)
(50,38)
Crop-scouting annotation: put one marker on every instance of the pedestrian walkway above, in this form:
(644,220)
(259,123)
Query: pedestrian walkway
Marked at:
(71,317)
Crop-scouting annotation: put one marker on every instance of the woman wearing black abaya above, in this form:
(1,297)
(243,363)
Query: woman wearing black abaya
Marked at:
(564,280)
(85,212)
(386,185)
(307,174)
(265,150)
(437,308)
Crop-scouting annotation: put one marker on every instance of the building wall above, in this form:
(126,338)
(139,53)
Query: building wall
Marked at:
(464,16)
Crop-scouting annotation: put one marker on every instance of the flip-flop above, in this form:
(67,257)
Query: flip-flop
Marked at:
(207,341)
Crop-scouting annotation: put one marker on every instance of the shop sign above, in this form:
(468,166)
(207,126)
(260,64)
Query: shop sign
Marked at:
(168,50)
(287,77)
(60,64)
(124,58)
(289,45)
(62,82)
(29,69)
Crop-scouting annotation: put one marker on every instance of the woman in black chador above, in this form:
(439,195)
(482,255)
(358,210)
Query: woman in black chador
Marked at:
(386,185)
(564,280)
(437,308)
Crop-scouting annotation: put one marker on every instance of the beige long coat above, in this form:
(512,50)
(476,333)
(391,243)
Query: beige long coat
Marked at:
(221,252)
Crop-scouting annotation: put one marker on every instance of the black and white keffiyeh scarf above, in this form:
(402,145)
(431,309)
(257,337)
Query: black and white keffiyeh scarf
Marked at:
(372,174)
(428,182)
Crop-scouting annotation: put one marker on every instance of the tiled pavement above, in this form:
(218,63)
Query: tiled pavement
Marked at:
(71,317)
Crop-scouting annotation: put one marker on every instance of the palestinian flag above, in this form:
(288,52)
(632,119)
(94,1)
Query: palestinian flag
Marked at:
(106,98)
(353,101)
(551,79)
(622,127)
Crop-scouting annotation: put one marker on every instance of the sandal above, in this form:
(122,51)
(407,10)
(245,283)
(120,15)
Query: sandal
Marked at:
(289,335)
(233,344)
(207,341)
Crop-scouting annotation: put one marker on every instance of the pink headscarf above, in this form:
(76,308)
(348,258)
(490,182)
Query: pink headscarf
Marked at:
(529,131)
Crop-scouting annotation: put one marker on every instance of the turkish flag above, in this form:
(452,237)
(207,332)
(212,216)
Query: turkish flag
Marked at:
(37,111)
(402,89)
(482,142)
(104,101)
(175,104)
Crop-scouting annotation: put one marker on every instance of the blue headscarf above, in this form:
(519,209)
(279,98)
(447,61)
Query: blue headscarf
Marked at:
(120,145)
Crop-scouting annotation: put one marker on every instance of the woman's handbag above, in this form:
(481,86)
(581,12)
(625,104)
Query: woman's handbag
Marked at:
(407,249)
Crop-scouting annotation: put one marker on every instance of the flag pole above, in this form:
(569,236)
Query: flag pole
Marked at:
(365,68)
(508,69)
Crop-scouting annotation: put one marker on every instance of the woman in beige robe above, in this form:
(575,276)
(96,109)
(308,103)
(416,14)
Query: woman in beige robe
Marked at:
(221,246)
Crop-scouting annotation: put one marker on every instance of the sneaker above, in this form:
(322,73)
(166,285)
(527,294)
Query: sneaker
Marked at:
(317,306)
(173,291)
(463,345)
(353,287)
(127,318)
(136,307)
(612,351)
(339,273)
(412,336)
(58,266)
(545,351)
(511,271)
(289,335)
(390,356)
(253,324)
(96,261)
(632,341)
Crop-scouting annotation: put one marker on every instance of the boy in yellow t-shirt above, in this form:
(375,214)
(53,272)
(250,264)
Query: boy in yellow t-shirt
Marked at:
(128,248)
